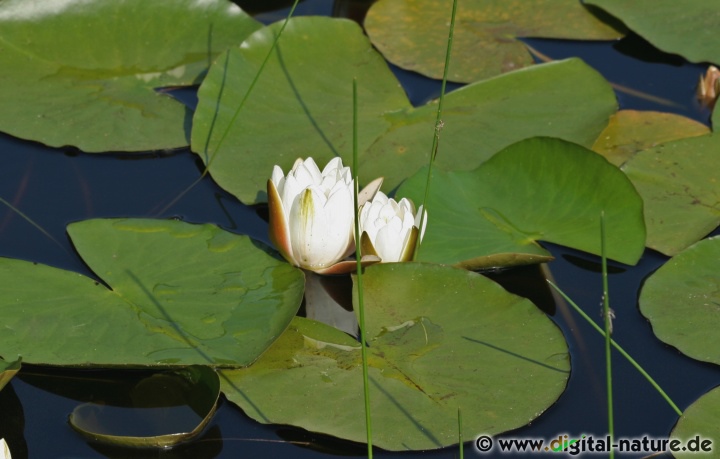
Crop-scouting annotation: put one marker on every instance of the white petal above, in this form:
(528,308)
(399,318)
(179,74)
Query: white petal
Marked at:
(4,450)
(321,228)
(278,178)
(290,192)
(417,221)
(296,164)
(389,241)
(305,175)
(333,166)
(407,205)
(370,190)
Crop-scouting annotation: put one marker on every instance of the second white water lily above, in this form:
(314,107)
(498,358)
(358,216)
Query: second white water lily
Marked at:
(312,215)
(390,228)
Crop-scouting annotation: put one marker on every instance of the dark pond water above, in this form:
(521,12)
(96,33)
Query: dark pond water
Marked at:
(55,187)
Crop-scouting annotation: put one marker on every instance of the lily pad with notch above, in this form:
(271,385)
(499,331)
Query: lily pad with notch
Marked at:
(536,189)
(177,294)
(302,105)
(439,338)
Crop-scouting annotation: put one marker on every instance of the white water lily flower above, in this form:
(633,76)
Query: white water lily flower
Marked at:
(390,229)
(312,215)
(4,450)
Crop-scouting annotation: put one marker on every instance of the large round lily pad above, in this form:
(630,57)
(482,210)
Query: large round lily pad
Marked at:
(413,33)
(682,301)
(440,338)
(537,189)
(85,72)
(302,106)
(685,28)
(179,294)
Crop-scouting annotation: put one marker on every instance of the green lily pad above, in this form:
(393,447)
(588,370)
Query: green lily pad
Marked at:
(84,72)
(180,294)
(439,338)
(681,190)
(537,189)
(685,28)
(630,131)
(413,33)
(699,423)
(302,106)
(682,301)
(168,408)
(8,370)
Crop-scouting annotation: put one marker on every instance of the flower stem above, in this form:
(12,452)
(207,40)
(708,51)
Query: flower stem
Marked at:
(358,255)
(608,331)
(438,124)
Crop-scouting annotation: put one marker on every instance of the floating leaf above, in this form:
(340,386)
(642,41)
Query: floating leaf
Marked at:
(680,187)
(302,106)
(412,33)
(8,370)
(699,423)
(440,338)
(84,72)
(630,131)
(685,28)
(537,189)
(168,408)
(682,301)
(179,294)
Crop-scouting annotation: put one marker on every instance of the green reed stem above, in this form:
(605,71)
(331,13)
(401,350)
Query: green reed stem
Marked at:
(250,88)
(608,331)
(438,123)
(622,352)
(32,222)
(234,117)
(358,255)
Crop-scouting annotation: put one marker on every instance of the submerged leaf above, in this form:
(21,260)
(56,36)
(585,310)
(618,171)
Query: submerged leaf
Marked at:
(440,338)
(169,408)
(537,189)
(302,106)
(180,294)
(411,33)
(85,72)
